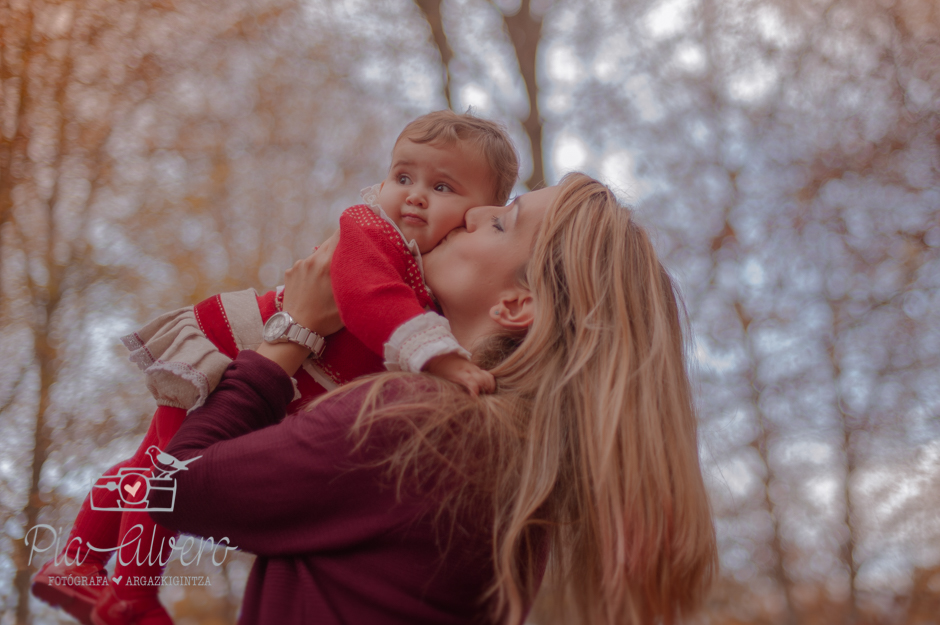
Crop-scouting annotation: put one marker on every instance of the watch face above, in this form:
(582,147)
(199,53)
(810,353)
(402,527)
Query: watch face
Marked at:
(276,326)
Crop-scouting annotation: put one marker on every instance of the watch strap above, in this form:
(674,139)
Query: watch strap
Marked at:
(296,333)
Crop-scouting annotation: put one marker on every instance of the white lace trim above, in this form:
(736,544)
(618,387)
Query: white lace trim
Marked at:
(140,355)
(370,195)
(177,384)
(418,340)
(132,342)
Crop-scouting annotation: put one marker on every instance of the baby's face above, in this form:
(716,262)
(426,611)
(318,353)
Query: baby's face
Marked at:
(430,187)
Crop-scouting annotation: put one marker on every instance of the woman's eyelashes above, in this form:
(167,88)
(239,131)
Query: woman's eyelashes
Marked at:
(497,223)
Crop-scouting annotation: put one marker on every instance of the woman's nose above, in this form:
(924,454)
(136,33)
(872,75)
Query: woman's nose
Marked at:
(473,217)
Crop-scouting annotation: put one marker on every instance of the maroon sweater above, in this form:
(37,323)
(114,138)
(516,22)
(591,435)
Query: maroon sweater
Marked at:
(334,542)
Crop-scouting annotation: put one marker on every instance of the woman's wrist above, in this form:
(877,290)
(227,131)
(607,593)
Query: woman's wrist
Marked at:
(312,319)
(289,356)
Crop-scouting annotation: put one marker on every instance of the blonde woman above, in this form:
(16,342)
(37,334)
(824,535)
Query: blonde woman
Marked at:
(402,499)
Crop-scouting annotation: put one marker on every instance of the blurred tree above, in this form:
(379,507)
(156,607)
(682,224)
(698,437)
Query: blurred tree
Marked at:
(790,154)
(52,165)
(153,154)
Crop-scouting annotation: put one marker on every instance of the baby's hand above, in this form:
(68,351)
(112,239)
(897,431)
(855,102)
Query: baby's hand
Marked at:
(458,369)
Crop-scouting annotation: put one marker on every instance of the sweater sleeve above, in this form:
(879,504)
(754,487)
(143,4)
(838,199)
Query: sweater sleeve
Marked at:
(371,278)
(272,486)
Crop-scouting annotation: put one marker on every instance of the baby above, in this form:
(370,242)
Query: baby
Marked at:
(442,165)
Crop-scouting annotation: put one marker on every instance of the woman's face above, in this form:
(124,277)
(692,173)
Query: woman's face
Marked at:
(475,266)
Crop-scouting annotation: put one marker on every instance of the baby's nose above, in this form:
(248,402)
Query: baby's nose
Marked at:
(418,198)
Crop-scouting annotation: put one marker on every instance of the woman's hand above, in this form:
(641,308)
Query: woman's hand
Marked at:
(308,291)
(308,298)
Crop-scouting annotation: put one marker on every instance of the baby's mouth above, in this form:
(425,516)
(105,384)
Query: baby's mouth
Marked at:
(411,218)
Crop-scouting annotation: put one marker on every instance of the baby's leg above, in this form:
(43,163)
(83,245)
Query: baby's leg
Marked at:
(146,550)
(145,556)
(99,528)
(93,538)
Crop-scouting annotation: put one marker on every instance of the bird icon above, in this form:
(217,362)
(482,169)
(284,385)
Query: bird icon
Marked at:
(166,465)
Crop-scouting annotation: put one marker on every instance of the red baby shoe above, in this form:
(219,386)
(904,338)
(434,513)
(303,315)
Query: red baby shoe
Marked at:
(74,588)
(142,610)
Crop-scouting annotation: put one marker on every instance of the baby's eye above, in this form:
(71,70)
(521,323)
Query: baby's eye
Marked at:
(403,179)
(443,188)
(496,223)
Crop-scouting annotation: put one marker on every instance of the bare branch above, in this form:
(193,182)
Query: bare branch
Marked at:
(8,401)
(432,14)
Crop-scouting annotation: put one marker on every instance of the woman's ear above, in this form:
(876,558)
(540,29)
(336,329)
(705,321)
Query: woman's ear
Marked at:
(515,311)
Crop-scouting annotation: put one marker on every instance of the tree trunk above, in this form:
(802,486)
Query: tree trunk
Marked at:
(46,300)
(16,29)
(525,32)
(762,445)
(432,14)
(46,357)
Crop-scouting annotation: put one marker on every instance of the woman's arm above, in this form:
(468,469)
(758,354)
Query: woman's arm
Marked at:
(275,486)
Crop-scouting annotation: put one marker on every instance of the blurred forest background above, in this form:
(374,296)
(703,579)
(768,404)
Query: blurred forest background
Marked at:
(786,153)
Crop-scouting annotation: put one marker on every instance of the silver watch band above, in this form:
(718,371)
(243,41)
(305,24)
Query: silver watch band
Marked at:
(302,336)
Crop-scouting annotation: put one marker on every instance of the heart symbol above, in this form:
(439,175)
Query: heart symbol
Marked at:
(117,580)
(133,491)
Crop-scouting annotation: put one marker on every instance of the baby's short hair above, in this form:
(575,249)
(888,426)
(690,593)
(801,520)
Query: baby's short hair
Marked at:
(491,138)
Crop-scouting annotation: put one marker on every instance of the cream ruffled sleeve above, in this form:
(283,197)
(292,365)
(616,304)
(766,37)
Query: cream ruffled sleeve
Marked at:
(418,340)
(180,364)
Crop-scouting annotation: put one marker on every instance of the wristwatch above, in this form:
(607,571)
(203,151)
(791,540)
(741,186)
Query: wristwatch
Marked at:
(281,327)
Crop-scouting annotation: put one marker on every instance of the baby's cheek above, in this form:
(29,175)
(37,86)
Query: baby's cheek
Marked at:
(395,215)
(435,234)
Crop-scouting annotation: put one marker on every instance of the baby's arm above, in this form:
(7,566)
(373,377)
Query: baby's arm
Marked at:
(184,352)
(376,285)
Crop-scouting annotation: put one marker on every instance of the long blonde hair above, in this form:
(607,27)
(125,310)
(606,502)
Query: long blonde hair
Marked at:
(590,443)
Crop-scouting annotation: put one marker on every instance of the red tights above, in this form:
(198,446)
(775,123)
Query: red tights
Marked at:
(105,529)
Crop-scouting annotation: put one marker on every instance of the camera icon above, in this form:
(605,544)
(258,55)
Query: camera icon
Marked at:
(136,490)
(138,487)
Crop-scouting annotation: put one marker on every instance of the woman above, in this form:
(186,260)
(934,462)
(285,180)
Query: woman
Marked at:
(399,498)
